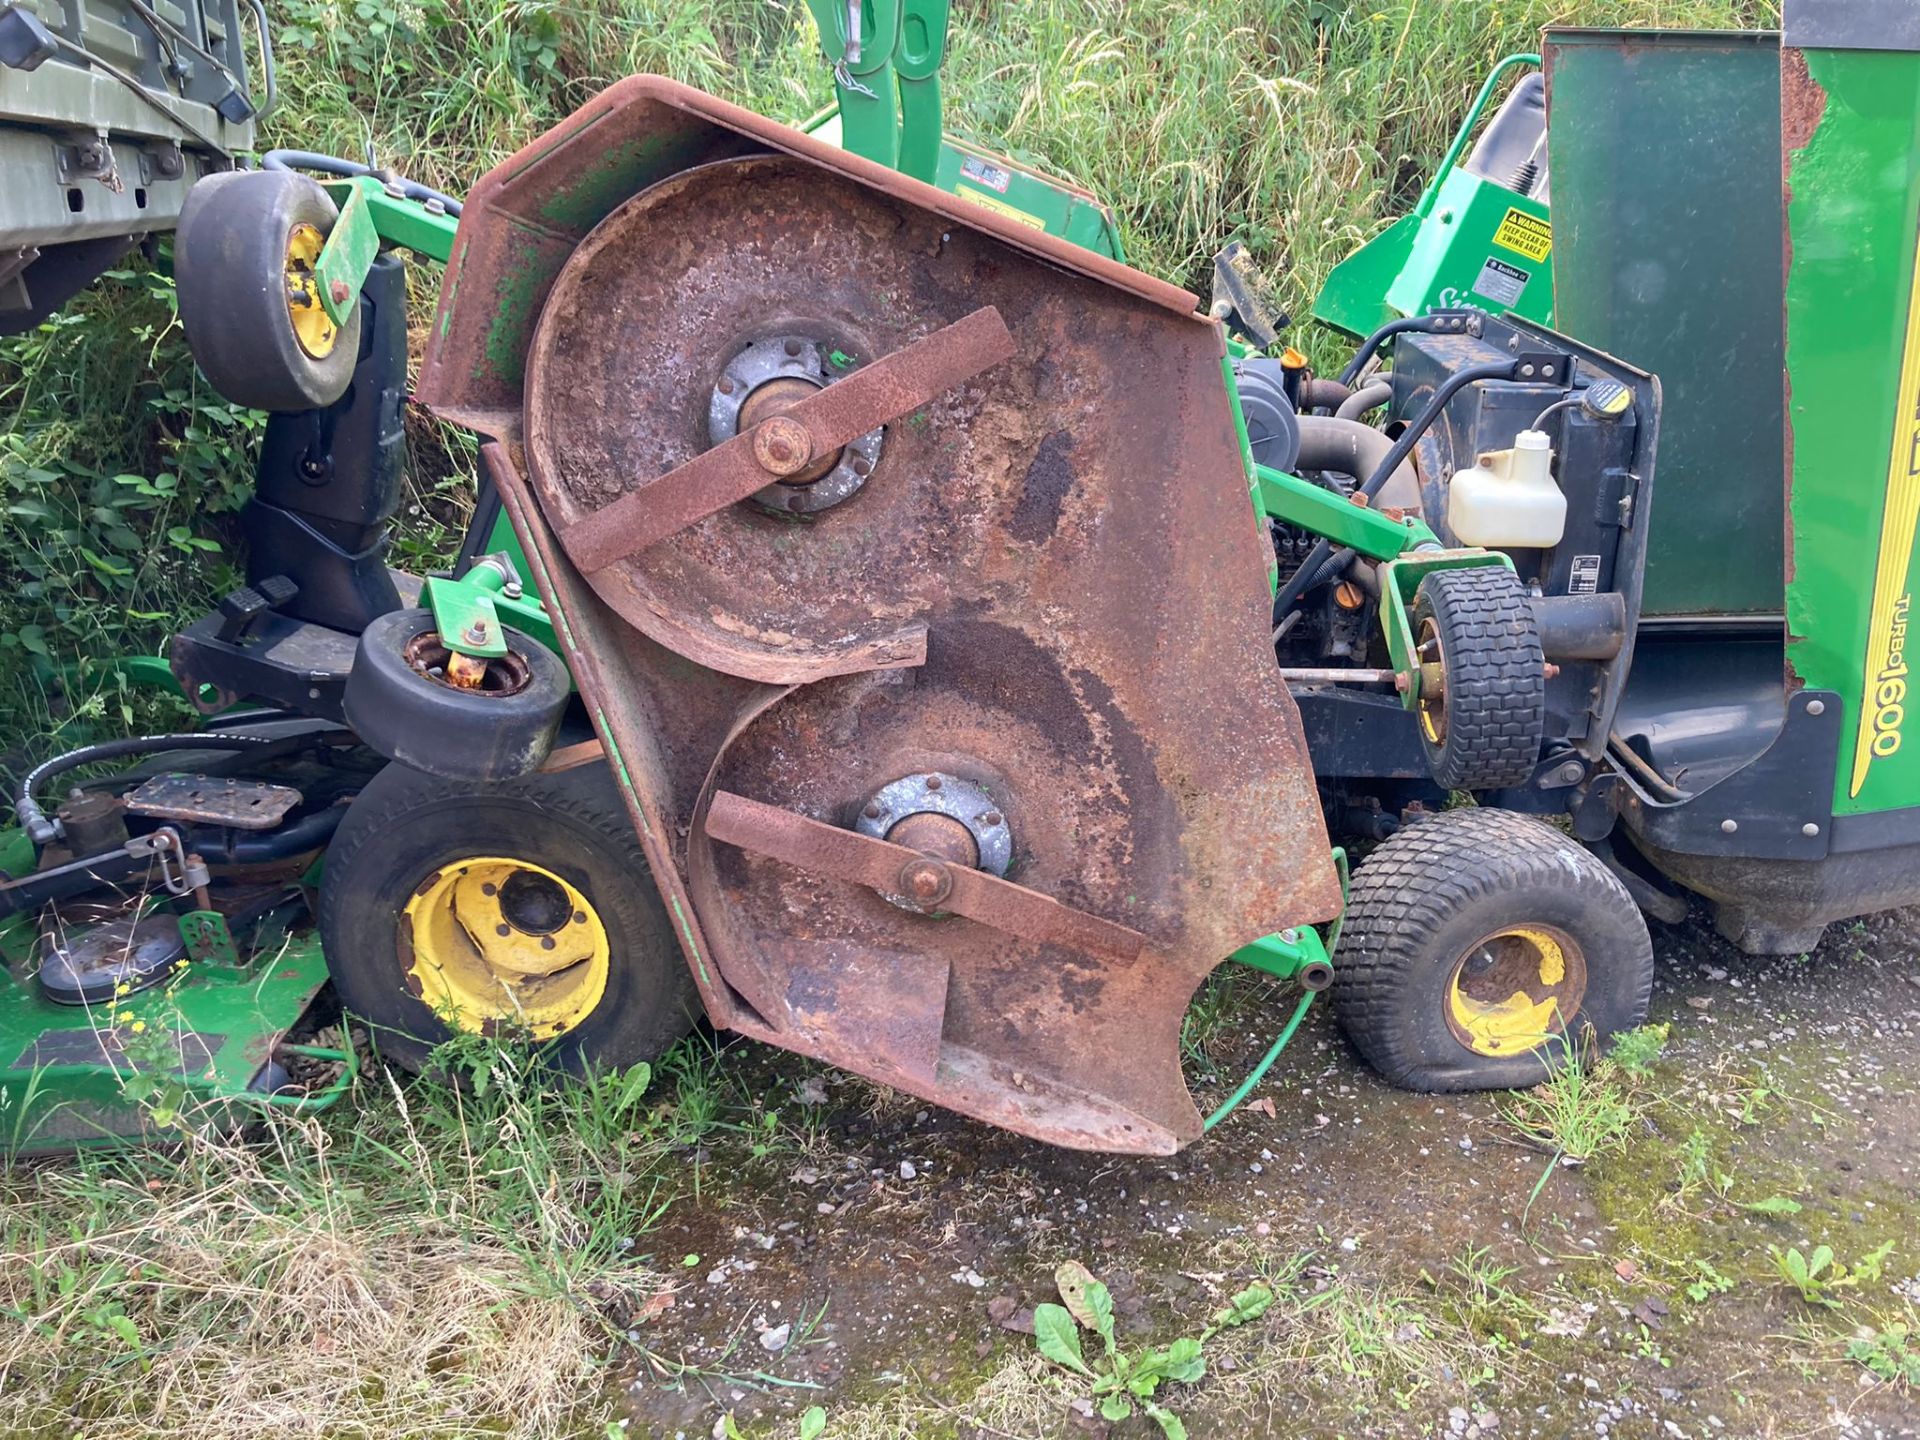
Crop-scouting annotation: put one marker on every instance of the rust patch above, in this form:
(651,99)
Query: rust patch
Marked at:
(1803,104)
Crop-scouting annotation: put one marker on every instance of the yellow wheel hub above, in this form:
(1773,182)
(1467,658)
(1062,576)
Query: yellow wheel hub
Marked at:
(311,327)
(1516,989)
(492,942)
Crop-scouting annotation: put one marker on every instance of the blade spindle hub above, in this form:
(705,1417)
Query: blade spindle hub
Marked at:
(950,821)
(762,383)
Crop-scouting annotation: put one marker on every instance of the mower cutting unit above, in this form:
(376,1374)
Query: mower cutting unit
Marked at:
(901,632)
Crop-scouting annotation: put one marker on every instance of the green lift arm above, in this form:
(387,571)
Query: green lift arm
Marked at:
(886,74)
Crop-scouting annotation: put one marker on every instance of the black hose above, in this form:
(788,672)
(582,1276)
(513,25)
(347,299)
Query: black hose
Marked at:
(1450,387)
(1425,324)
(1307,576)
(1323,562)
(258,847)
(1351,447)
(338,165)
(33,819)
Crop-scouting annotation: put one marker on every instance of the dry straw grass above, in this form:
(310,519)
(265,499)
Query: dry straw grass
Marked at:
(399,1278)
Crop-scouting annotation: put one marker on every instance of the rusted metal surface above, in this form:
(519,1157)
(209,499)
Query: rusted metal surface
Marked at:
(500,676)
(1051,587)
(523,220)
(781,446)
(931,882)
(213,800)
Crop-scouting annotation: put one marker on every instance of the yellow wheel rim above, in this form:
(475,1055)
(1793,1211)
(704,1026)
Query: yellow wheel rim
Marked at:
(1514,990)
(1433,708)
(496,944)
(311,327)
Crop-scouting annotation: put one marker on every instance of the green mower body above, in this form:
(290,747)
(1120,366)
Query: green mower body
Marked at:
(1481,236)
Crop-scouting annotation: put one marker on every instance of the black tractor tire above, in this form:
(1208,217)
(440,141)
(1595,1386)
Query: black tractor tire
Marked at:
(405,827)
(1485,732)
(230,257)
(1460,893)
(482,735)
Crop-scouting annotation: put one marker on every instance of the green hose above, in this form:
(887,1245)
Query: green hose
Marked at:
(1266,1063)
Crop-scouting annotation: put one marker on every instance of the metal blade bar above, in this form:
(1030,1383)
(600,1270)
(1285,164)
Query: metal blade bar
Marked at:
(822,849)
(886,390)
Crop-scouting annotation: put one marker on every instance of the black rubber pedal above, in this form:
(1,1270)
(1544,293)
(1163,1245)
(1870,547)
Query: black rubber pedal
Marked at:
(241,608)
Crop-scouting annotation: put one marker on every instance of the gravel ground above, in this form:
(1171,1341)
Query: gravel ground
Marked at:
(878,1258)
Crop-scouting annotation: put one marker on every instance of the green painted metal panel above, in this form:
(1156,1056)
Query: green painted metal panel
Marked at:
(1852,139)
(1482,246)
(1009,188)
(94,1075)
(1469,242)
(1666,179)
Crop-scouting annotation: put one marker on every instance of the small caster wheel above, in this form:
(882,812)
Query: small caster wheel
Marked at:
(1482,949)
(1483,731)
(243,261)
(401,701)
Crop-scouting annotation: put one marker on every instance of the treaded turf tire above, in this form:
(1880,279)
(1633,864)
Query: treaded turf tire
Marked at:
(1493,715)
(1430,896)
(230,265)
(406,825)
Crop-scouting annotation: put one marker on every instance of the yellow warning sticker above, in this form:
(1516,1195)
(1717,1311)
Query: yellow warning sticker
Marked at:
(1525,235)
(1001,207)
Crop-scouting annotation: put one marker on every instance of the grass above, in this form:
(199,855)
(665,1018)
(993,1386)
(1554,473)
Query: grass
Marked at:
(1590,1105)
(463,1259)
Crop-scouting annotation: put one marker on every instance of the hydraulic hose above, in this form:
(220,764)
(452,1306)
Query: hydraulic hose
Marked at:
(41,831)
(1350,448)
(1410,437)
(1425,324)
(339,165)
(1361,401)
(302,836)
(1322,394)
(1388,464)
